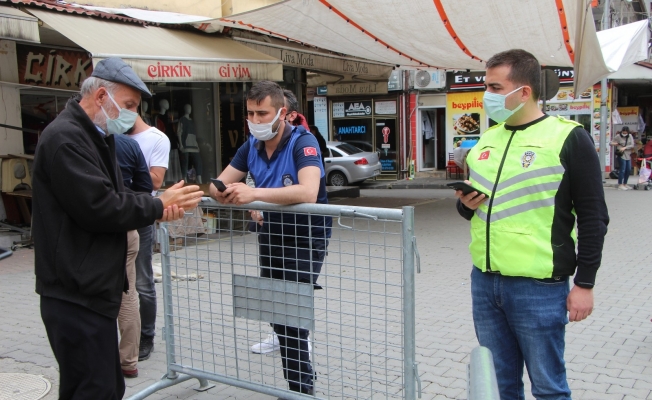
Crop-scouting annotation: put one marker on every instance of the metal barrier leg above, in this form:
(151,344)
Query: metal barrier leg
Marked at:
(164,383)
(482,383)
(204,385)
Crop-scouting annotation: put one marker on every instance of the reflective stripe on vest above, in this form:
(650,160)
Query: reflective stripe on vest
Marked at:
(512,232)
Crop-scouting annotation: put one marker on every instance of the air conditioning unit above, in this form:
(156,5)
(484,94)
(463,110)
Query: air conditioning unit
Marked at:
(428,79)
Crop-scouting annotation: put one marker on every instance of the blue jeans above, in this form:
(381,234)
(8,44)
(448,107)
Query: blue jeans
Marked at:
(145,282)
(523,321)
(624,171)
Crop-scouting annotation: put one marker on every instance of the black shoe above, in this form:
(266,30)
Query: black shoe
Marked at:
(146,348)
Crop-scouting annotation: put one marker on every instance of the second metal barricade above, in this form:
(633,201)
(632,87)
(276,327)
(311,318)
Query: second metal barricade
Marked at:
(360,311)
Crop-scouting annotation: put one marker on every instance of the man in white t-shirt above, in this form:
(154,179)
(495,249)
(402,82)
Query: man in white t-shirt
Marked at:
(156,149)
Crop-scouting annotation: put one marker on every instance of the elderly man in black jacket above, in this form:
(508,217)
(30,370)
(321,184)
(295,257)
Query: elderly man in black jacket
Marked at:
(82,213)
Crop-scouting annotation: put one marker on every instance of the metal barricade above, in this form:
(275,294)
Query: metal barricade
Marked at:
(481,379)
(360,313)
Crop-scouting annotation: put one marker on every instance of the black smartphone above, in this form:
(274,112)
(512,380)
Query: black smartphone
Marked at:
(465,188)
(219,185)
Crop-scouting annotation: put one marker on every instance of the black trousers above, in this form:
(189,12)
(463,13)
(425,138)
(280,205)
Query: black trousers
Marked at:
(85,345)
(298,260)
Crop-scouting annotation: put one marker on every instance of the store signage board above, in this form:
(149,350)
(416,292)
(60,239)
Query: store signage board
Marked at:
(385,107)
(320,105)
(357,108)
(356,89)
(51,67)
(321,91)
(338,110)
(474,80)
(316,62)
(199,71)
(395,81)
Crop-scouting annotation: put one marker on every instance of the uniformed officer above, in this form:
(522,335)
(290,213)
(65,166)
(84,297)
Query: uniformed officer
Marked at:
(541,174)
(285,164)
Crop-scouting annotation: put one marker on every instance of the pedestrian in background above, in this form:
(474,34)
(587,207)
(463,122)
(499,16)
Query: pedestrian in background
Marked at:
(539,175)
(135,176)
(155,146)
(624,143)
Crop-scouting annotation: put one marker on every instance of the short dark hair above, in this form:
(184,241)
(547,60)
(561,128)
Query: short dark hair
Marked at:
(314,129)
(291,102)
(525,69)
(261,90)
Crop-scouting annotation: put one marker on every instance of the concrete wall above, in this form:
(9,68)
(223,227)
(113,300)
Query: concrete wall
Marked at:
(11,141)
(208,8)
(230,7)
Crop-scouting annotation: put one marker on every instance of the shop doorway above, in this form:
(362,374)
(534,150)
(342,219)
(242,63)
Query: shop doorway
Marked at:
(431,143)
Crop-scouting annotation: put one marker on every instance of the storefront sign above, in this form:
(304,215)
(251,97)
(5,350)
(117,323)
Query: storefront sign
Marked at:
(385,107)
(320,105)
(357,108)
(474,80)
(317,62)
(321,91)
(184,71)
(466,118)
(395,81)
(53,68)
(352,89)
(629,117)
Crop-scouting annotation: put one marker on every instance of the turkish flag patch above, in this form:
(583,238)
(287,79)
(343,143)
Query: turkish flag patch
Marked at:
(484,155)
(309,151)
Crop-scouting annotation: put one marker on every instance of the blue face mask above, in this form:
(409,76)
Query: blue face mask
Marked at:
(494,103)
(125,121)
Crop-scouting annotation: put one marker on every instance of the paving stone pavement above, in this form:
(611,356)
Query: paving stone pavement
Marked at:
(609,356)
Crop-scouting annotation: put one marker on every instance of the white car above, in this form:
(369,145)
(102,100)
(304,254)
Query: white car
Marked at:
(348,164)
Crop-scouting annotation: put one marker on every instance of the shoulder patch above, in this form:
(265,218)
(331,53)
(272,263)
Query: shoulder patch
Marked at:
(309,151)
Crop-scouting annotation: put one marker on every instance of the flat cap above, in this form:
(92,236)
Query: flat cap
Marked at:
(113,69)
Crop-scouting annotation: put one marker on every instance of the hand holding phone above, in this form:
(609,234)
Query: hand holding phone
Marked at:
(465,188)
(219,185)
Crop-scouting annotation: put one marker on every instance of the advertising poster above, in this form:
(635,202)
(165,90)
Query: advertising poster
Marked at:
(595,129)
(466,118)
(386,140)
(629,117)
(320,105)
(567,102)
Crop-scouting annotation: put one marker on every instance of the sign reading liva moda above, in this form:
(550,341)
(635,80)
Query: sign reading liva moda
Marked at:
(354,89)
(185,71)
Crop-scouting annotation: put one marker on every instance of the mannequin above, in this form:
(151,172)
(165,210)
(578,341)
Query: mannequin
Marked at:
(189,145)
(163,122)
(144,106)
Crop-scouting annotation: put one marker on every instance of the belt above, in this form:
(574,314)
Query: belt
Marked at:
(554,279)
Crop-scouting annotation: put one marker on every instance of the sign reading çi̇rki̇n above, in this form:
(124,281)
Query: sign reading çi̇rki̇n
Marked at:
(52,67)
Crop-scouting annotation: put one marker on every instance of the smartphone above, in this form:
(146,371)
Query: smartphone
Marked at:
(465,188)
(219,185)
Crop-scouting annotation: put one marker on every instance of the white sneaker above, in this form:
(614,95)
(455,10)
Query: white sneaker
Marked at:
(622,187)
(267,346)
(272,344)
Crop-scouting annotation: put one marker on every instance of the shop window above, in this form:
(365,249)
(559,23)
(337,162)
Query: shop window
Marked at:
(38,109)
(185,113)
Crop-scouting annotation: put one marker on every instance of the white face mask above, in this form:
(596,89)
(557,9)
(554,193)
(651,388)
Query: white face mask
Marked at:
(125,120)
(264,131)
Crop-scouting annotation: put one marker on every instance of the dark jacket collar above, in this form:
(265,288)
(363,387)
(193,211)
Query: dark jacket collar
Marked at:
(79,115)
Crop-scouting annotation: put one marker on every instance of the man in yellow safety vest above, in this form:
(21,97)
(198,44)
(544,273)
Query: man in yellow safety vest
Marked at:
(539,175)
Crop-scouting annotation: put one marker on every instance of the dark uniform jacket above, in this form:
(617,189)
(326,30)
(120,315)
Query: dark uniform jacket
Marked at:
(81,214)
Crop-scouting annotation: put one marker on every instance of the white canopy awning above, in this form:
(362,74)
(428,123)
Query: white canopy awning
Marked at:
(449,34)
(158,54)
(17,25)
(624,45)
